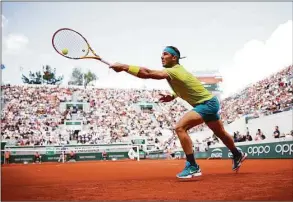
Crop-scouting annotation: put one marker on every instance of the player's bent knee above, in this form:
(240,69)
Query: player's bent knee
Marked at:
(179,129)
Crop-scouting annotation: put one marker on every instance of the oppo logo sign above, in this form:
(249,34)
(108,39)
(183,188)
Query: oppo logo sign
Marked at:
(284,149)
(258,150)
(217,153)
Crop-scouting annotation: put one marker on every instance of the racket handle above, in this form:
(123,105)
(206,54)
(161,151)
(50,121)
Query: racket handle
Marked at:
(103,61)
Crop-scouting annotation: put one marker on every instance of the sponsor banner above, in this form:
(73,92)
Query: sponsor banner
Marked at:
(216,153)
(265,150)
(158,154)
(284,149)
(51,158)
(52,150)
(156,151)
(79,157)
(92,149)
(86,157)
(177,154)
(22,159)
(259,150)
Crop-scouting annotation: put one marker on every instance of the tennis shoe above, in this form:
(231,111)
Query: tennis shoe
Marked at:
(189,171)
(237,161)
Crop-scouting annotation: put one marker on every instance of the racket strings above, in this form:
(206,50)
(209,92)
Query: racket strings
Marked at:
(69,40)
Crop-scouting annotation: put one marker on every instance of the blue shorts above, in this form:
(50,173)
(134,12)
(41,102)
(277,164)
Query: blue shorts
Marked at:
(209,110)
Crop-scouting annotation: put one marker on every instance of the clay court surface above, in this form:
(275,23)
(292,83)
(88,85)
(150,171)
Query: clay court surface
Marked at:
(148,180)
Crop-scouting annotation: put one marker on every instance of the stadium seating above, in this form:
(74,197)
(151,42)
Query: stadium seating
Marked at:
(32,115)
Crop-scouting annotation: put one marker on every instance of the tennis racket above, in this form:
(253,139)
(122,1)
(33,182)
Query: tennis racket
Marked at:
(71,44)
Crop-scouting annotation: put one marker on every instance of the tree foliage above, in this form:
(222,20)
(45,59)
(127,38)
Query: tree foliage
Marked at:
(79,78)
(47,76)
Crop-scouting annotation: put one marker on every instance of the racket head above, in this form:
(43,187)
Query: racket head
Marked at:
(73,42)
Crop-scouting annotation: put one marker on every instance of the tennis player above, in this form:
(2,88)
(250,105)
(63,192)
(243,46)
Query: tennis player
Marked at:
(205,106)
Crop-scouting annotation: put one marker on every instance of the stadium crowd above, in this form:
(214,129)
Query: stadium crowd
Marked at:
(32,115)
(270,95)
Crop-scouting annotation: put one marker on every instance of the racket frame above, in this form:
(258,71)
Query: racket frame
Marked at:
(96,57)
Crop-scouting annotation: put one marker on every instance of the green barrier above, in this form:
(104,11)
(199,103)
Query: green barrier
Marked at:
(277,150)
(156,155)
(79,157)
(98,156)
(197,155)
(83,152)
(21,159)
(201,155)
(2,151)
(180,154)
(270,150)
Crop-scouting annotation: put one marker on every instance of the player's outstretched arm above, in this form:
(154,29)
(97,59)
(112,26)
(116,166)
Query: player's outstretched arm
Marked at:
(140,72)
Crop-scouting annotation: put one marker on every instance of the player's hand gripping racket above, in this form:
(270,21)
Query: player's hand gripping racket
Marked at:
(73,45)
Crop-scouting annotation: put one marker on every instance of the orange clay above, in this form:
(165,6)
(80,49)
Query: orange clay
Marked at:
(148,179)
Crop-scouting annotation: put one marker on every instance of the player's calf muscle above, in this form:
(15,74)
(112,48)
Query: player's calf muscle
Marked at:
(218,129)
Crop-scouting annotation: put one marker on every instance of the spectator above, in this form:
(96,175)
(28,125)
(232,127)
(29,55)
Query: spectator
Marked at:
(37,158)
(277,132)
(72,156)
(7,157)
(235,137)
(248,137)
(259,135)
(104,155)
